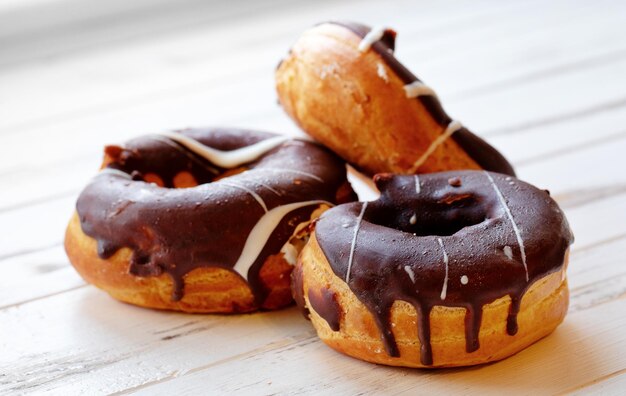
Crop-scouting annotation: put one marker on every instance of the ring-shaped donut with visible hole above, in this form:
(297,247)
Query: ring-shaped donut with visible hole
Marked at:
(202,220)
(444,269)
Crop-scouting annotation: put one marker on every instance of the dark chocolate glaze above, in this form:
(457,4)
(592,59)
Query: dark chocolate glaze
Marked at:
(297,289)
(175,230)
(324,302)
(405,232)
(480,151)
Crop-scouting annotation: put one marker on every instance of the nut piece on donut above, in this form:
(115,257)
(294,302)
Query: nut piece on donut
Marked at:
(342,84)
(446,269)
(202,220)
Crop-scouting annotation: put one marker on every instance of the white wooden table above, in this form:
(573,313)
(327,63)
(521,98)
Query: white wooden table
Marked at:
(545,82)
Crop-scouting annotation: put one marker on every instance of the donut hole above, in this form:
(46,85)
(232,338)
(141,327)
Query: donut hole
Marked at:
(230,172)
(185,178)
(446,227)
(443,217)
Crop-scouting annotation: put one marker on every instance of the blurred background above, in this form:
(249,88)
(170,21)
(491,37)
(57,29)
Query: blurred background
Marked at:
(76,74)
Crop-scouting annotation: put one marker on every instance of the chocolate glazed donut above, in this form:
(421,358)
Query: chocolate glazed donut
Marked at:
(343,85)
(221,245)
(445,269)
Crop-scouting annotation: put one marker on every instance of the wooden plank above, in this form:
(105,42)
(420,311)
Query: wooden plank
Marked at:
(36,275)
(31,184)
(41,225)
(48,31)
(540,101)
(537,143)
(24,175)
(97,345)
(597,222)
(538,369)
(566,358)
(237,106)
(72,83)
(34,270)
(597,263)
(583,215)
(108,337)
(594,219)
(46,272)
(554,107)
(154,67)
(35,227)
(610,384)
(597,270)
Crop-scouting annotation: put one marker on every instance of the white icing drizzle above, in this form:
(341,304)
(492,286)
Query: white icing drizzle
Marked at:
(508,252)
(452,127)
(444,289)
(254,195)
(262,231)
(353,244)
(464,280)
(297,172)
(410,272)
(115,172)
(418,88)
(227,159)
(507,210)
(290,253)
(269,188)
(371,37)
(417,184)
(413,219)
(177,147)
(382,72)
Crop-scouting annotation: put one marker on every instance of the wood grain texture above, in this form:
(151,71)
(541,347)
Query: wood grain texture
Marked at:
(569,356)
(544,82)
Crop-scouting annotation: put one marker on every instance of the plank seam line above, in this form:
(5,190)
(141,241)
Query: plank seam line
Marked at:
(538,75)
(486,13)
(610,195)
(266,348)
(574,254)
(39,201)
(199,86)
(563,117)
(598,244)
(42,297)
(595,381)
(28,251)
(575,307)
(600,194)
(164,29)
(593,285)
(571,149)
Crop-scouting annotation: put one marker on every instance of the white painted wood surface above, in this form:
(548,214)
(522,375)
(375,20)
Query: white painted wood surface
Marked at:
(544,82)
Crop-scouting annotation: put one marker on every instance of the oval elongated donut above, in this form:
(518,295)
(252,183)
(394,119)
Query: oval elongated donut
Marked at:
(342,84)
(446,269)
(202,220)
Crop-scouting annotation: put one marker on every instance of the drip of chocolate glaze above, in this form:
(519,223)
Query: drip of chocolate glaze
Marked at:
(297,290)
(324,302)
(481,152)
(403,228)
(176,230)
